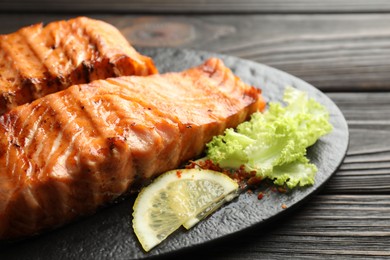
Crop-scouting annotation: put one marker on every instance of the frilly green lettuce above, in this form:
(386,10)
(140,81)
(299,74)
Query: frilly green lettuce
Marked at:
(274,143)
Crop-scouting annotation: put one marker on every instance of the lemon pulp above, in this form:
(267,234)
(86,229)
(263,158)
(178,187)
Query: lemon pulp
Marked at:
(177,198)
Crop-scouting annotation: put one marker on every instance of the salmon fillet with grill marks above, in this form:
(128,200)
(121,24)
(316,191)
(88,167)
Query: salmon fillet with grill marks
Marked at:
(68,153)
(37,60)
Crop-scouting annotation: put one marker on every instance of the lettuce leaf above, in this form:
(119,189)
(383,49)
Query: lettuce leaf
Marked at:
(274,143)
(297,173)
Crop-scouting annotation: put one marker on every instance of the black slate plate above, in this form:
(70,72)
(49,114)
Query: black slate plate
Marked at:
(108,234)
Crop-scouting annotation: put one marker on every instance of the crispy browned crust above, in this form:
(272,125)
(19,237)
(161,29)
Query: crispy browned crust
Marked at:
(36,60)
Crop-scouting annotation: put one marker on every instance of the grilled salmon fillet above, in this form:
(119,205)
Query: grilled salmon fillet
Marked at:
(68,153)
(37,60)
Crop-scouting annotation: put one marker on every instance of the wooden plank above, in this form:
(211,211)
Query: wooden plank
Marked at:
(368,118)
(196,6)
(327,227)
(366,168)
(350,218)
(332,52)
(340,52)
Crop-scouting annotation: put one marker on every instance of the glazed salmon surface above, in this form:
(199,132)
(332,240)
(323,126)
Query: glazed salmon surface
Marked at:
(68,153)
(37,60)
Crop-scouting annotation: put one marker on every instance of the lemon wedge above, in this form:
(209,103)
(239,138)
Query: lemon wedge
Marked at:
(177,198)
(210,208)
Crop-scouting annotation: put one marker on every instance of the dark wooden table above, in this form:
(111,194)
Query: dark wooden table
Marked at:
(341,47)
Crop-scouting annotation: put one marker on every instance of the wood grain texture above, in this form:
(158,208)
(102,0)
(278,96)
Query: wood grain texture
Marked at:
(350,218)
(332,52)
(366,168)
(196,6)
(329,51)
